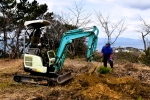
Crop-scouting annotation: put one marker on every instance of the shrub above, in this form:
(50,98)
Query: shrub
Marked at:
(127,56)
(97,57)
(145,57)
(104,70)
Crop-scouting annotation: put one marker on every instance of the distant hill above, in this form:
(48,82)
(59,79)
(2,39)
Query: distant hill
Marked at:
(123,42)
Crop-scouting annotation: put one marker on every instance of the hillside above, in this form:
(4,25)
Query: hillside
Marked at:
(123,42)
(127,81)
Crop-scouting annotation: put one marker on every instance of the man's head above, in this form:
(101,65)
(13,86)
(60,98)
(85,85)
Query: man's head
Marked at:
(38,32)
(107,44)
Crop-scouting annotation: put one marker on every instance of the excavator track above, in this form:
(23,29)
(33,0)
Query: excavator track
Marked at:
(39,80)
(63,78)
(42,80)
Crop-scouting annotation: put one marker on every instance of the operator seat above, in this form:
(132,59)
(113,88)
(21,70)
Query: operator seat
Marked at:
(34,51)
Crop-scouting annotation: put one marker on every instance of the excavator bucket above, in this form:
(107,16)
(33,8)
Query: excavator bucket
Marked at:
(63,78)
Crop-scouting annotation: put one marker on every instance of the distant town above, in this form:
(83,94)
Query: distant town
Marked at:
(126,49)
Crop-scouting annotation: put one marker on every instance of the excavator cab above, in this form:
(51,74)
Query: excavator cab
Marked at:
(38,57)
(33,29)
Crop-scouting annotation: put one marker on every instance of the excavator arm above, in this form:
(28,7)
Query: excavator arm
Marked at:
(91,33)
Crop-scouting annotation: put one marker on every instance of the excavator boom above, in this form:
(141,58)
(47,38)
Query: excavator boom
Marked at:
(91,33)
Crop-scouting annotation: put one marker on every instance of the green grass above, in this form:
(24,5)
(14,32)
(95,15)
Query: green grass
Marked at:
(140,98)
(104,70)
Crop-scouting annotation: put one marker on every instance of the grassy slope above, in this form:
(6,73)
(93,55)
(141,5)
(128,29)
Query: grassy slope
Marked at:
(127,81)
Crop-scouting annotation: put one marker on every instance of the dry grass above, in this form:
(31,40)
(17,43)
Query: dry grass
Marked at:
(125,82)
(139,72)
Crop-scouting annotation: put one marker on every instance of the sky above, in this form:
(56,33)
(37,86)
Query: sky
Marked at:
(131,10)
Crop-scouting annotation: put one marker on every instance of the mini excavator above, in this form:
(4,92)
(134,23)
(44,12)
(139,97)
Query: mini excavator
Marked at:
(33,62)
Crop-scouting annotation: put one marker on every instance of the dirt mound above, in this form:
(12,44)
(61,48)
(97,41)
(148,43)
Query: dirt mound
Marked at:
(107,87)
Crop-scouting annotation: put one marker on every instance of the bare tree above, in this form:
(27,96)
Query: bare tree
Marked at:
(55,31)
(145,31)
(77,15)
(111,29)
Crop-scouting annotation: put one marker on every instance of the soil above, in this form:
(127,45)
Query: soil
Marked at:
(127,81)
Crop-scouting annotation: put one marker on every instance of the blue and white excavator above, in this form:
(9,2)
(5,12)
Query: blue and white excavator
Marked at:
(33,62)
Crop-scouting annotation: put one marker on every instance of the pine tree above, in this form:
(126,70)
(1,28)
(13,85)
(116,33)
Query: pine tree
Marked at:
(6,9)
(14,14)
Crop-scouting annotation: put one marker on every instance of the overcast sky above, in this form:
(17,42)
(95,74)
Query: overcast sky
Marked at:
(117,9)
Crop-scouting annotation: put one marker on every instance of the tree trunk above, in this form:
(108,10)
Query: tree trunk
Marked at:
(16,49)
(5,41)
(143,38)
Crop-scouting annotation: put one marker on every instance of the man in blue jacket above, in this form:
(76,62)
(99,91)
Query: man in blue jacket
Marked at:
(107,53)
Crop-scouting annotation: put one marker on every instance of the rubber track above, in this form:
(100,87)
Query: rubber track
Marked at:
(36,78)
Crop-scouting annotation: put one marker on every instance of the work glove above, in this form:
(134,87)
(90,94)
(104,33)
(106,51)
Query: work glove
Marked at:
(110,58)
(101,54)
(39,44)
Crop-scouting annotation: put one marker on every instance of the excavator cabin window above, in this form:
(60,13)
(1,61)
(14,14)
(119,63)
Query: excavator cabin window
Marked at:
(35,39)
